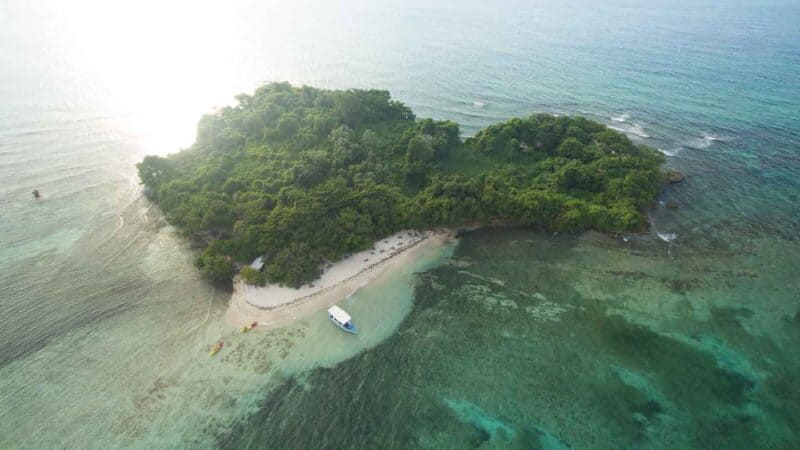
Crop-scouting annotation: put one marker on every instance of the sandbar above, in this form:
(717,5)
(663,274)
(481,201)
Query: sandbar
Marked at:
(274,306)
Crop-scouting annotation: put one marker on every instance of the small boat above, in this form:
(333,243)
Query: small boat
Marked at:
(216,348)
(342,319)
(247,328)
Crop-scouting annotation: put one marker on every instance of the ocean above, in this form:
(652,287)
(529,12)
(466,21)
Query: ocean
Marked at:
(684,337)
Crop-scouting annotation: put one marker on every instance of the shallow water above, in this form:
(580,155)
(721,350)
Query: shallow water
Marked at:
(141,373)
(530,341)
(681,338)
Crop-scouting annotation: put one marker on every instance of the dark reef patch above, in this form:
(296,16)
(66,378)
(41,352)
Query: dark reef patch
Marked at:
(681,286)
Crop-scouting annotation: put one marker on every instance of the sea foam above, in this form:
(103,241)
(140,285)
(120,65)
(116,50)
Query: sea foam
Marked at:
(638,130)
(707,140)
(633,128)
(671,152)
(621,118)
(667,237)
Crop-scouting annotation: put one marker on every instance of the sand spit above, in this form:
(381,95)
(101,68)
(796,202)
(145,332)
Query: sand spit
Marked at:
(273,306)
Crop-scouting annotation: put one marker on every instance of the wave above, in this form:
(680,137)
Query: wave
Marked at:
(667,237)
(634,129)
(34,131)
(671,152)
(480,103)
(707,140)
(638,130)
(621,118)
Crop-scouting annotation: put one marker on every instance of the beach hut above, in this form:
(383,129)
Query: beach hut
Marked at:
(258,263)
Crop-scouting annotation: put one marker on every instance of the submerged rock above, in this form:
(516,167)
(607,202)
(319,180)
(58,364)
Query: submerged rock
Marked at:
(673,176)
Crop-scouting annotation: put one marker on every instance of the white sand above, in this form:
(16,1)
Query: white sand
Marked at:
(273,306)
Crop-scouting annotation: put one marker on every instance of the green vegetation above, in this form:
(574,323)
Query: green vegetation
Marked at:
(304,175)
(253,276)
(216,266)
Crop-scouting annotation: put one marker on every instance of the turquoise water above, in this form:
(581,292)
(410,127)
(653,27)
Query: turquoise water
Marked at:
(528,341)
(681,338)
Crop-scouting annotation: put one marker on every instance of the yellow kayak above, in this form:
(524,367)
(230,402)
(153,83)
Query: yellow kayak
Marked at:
(247,328)
(216,348)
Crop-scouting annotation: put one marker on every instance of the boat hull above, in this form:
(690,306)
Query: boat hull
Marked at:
(351,330)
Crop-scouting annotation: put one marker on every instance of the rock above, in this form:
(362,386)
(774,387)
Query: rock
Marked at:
(672,204)
(35,193)
(673,176)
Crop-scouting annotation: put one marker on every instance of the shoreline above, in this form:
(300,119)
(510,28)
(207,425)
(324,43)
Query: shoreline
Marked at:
(275,306)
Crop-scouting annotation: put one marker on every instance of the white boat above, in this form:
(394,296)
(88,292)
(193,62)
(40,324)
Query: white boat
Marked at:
(342,319)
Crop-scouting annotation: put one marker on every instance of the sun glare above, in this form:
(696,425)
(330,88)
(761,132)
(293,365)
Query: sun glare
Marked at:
(160,65)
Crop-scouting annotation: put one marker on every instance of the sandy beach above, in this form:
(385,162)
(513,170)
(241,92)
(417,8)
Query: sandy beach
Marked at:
(273,306)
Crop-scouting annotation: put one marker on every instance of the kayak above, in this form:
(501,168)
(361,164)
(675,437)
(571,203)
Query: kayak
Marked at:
(216,348)
(247,328)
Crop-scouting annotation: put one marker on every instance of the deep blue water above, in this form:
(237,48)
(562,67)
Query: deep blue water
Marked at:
(87,89)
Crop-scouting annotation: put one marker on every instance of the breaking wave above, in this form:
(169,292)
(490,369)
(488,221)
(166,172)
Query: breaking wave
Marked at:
(671,152)
(707,140)
(621,118)
(634,129)
(667,237)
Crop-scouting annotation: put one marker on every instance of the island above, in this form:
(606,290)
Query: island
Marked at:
(303,177)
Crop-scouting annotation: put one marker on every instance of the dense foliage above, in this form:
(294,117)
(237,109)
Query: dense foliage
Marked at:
(304,175)
(253,276)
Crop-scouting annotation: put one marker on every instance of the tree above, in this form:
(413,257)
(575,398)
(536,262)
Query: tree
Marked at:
(154,170)
(294,265)
(420,149)
(215,266)
(346,150)
(253,276)
(572,148)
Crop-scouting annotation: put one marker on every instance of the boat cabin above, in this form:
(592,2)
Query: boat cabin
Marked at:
(341,318)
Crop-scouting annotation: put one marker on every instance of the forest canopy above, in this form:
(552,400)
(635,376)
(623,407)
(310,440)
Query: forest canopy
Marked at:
(302,176)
